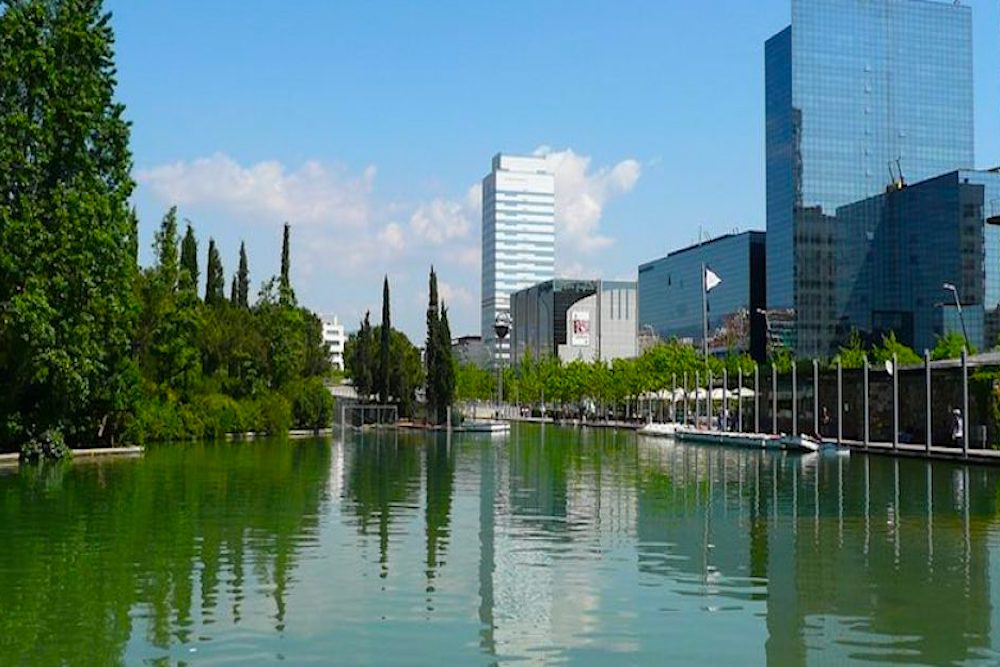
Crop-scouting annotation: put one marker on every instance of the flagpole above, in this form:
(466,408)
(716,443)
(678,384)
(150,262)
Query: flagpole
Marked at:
(704,311)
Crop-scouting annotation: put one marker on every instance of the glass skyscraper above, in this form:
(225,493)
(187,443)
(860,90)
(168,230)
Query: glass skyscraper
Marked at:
(860,94)
(519,236)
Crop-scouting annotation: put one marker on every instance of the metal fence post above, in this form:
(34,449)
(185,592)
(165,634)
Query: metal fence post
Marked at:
(795,399)
(725,400)
(697,397)
(709,408)
(966,422)
(756,398)
(927,399)
(840,401)
(816,399)
(867,433)
(774,400)
(686,397)
(895,401)
(739,397)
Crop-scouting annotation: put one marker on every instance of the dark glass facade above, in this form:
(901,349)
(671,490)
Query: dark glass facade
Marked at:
(670,300)
(895,251)
(859,93)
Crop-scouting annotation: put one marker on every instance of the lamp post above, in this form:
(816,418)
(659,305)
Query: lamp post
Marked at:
(501,327)
(949,287)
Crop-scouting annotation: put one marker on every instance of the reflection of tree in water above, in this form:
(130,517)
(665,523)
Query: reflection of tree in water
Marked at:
(108,540)
(384,476)
(440,470)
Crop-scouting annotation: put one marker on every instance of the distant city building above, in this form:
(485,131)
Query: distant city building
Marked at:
(470,350)
(896,250)
(518,237)
(575,319)
(335,339)
(670,294)
(858,95)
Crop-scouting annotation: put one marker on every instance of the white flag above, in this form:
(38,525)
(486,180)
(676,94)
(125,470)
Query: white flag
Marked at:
(712,280)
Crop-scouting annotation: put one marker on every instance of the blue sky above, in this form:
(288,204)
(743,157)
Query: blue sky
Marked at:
(368,125)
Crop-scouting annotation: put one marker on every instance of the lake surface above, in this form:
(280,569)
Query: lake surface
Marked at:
(550,546)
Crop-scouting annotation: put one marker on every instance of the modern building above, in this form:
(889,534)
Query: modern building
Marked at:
(895,251)
(335,338)
(859,95)
(670,294)
(575,319)
(469,350)
(519,233)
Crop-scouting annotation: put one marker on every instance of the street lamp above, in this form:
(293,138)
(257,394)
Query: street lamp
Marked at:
(949,287)
(501,327)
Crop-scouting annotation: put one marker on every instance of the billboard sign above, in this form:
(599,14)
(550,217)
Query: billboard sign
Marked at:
(580,321)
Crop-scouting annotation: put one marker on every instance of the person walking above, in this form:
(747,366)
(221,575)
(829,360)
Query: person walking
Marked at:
(957,427)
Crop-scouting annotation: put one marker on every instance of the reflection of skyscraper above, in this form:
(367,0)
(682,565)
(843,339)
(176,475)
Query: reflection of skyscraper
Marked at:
(519,232)
(855,90)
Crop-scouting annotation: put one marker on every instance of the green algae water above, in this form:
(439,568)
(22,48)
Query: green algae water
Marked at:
(550,546)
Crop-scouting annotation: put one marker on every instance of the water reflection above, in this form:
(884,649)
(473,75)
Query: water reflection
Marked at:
(551,545)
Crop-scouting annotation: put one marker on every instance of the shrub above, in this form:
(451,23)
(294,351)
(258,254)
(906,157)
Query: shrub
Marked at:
(219,415)
(48,445)
(312,404)
(276,414)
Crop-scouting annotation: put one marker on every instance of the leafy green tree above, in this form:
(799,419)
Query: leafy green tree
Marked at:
(890,346)
(950,346)
(215,279)
(384,360)
(359,357)
(189,258)
(66,230)
(473,383)
(243,280)
(853,355)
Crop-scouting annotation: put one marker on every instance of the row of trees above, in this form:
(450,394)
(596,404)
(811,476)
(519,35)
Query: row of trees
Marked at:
(385,366)
(94,349)
(621,383)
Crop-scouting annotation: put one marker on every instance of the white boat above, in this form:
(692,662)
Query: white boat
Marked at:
(659,430)
(495,427)
(801,443)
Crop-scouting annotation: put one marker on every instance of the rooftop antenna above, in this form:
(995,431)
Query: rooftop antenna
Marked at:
(899,168)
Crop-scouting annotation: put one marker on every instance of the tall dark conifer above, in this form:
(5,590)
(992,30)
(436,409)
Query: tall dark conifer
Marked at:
(189,259)
(430,347)
(285,284)
(243,280)
(445,372)
(215,281)
(385,338)
(233,295)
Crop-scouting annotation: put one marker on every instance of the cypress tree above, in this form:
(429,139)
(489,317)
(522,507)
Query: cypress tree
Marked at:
(243,280)
(430,347)
(286,283)
(445,372)
(215,281)
(189,258)
(165,244)
(384,370)
(233,293)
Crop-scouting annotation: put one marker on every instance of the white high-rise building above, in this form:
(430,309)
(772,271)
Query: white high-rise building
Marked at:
(519,236)
(335,338)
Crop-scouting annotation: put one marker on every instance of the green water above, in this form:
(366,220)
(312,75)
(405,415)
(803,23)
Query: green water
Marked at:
(555,546)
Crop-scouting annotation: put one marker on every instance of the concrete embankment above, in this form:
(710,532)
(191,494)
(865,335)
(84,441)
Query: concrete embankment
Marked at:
(82,454)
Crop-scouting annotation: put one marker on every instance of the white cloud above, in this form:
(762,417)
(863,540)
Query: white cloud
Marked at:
(581,196)
(266,192)
(455,297)
(392,236)
(442,220)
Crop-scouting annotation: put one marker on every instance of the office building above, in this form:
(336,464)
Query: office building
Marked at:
(670,294)
(518,237)
(859,95)
(335,338)
(469,350)
(575,319)
(895,252)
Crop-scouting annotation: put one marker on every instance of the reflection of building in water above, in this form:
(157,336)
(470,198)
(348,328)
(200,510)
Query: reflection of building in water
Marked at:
(833,545)
(554,504)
